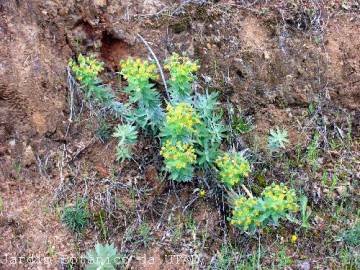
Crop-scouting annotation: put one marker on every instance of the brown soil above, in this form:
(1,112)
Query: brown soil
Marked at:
(264,57)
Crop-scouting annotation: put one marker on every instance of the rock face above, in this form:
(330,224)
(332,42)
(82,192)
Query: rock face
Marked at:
(33,84)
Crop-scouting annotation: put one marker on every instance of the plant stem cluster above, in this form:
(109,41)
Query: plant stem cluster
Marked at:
(191,130)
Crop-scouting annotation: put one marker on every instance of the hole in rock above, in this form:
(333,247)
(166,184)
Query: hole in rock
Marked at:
(113,50)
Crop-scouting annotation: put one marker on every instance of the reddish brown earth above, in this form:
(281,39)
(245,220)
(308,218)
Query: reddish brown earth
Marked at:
(268,59)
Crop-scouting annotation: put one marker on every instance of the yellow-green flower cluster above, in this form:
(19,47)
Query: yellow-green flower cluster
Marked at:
(87,69)
(181,70)
(180,66)
(144,99)
(246,213)
(280,198)
(276,202)
(181,120)
(179,158)
(233,168)
(138,70)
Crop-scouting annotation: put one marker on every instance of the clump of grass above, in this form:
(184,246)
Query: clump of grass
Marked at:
(76,217)
(103,132)
(99,219)
(144,232)
(352,236)
(312,153)
(225,258)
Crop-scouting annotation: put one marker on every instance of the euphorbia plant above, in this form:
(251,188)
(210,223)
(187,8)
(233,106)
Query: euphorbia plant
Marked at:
(211,130)
(249,213)
(138,74)
(87,70)
(178,133)
(144,100)
(179,158)
(180,123)
(275,203)
(233,169)
(126,135)
(191,132)
(182,71)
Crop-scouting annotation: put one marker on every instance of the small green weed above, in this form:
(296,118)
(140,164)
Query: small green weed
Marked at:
(103,132)
(312,108)
(51,250)
(76,218)
(242,125)
(352,236)
(127,136)
(283,260)
(278,139)
(144,232)
(324,178)
(226,258)
(349,259)
(305,212)
(18,168)
(1,205)
(312,154)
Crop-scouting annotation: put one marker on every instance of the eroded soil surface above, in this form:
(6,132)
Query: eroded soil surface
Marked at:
(294,64)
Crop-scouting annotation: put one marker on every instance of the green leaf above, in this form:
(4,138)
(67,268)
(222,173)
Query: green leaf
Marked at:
(126,134)
(277,139)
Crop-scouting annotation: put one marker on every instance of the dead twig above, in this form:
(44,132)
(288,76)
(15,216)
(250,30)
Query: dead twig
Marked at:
(247,191)
(71,85)
(91,142)
(157,63)
(59,190)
